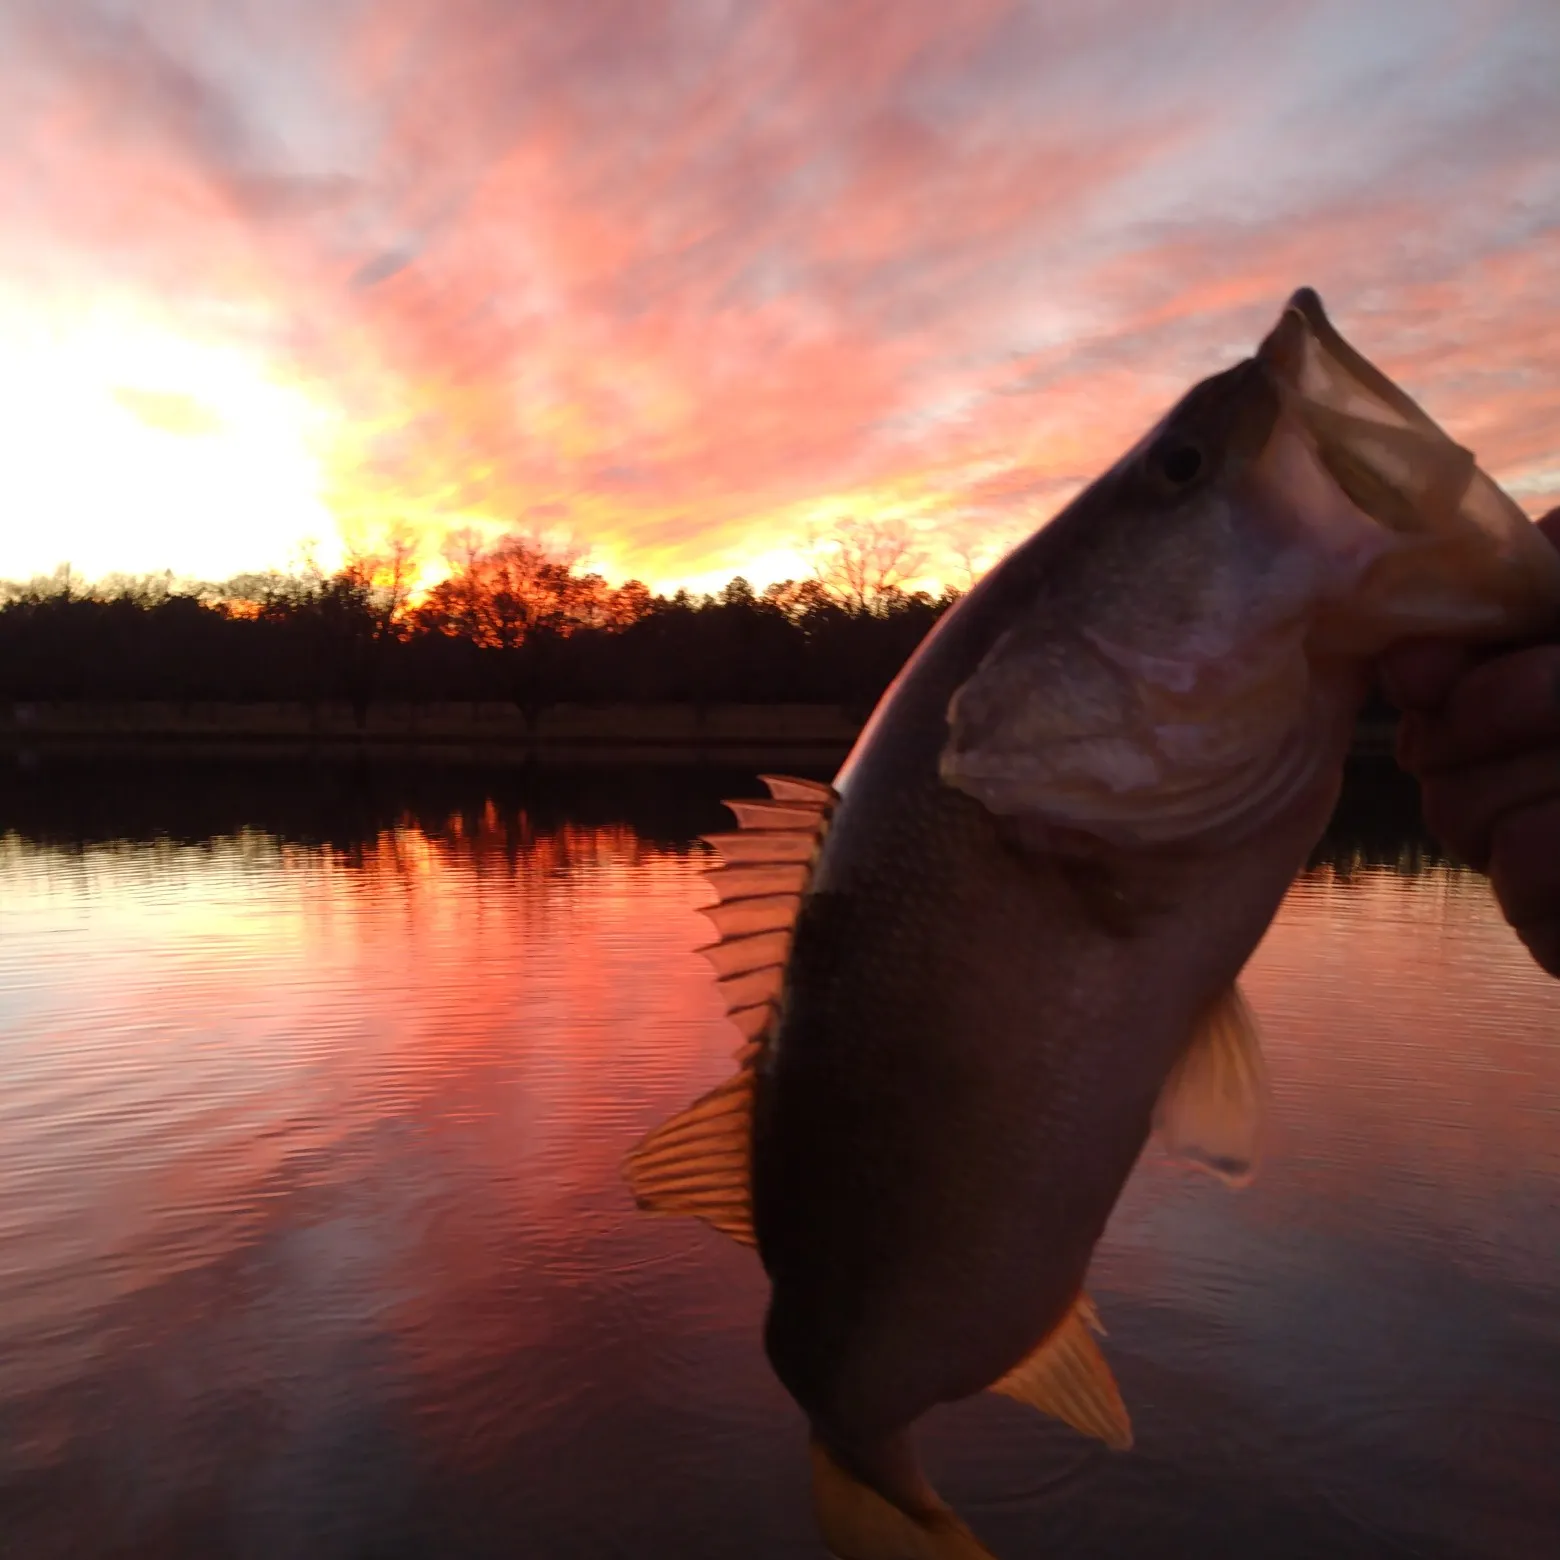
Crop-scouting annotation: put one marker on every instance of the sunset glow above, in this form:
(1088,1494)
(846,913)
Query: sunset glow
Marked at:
(685,282)
(134,449)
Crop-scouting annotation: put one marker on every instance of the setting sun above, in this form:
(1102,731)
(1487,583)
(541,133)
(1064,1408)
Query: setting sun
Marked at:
(134,449)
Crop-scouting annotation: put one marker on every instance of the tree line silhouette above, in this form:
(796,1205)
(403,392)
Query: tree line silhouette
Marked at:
(514,621)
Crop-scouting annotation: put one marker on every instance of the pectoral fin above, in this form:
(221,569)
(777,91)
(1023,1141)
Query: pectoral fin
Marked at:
(1211,1110)
(1067,1377)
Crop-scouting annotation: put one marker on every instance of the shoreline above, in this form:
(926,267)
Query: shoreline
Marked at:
(814,736)
(810,735)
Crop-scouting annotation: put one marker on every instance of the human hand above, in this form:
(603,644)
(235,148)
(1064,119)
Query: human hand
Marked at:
(1481,733)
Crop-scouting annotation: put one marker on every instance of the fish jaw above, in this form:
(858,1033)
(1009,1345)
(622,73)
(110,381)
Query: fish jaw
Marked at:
(1452,554)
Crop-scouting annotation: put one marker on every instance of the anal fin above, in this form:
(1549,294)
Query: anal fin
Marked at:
(1067,1378)
(1211,1109)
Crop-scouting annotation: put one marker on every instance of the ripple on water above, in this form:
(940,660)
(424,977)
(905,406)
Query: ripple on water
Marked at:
(312,1240)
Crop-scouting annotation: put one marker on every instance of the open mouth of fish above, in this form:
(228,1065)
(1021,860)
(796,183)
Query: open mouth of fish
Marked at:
(1461,556)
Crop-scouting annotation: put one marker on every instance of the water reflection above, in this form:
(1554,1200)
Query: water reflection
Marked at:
(312,1242)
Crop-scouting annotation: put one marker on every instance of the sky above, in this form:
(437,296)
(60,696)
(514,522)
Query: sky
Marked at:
(687,282)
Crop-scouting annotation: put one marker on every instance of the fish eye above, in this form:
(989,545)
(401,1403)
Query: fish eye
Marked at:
(1179,463)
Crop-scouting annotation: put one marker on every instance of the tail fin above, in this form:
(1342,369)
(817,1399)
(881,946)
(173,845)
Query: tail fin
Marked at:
(860,1524)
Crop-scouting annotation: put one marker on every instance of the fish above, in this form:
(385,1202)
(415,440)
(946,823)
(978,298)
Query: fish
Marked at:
(974,974)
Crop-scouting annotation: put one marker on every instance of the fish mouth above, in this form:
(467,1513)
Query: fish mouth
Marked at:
(1457,555)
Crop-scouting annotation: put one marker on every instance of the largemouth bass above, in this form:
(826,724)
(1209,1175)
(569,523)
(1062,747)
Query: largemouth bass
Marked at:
(979,969)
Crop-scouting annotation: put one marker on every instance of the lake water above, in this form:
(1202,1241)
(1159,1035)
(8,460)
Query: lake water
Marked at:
(312,1242)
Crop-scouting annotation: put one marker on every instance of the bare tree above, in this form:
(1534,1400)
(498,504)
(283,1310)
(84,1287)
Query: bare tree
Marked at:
(386,574)
(399,565)
(862,564)
(456,601)
(973,556)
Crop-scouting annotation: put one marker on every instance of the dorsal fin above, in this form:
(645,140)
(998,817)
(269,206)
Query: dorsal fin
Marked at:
(758,878)
(752,913)
(760,881)
(758,951)
(776,815)
(788,788)
(764,847)
(698,1162)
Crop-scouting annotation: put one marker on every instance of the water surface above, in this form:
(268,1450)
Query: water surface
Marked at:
(312,1241)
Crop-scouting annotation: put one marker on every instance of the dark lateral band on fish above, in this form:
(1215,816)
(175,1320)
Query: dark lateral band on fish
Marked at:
(974,974)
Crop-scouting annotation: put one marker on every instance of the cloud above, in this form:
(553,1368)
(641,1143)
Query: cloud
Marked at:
(685,274)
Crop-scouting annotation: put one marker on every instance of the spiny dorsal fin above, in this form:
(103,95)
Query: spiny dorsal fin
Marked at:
(758,879)
(776,815)
(1067,1377)
(788,788)
(751,1022)
(756,913)
(761,879)
(1211,1109)
(698,1162)
(757,951)
(764,847)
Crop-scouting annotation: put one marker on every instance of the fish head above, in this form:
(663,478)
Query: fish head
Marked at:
(1454,554)
(1181,642)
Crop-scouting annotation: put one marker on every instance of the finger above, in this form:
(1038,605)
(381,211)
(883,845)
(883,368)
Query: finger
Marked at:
(1419,673)
(1500,706)
(1525,864)
(1463,807)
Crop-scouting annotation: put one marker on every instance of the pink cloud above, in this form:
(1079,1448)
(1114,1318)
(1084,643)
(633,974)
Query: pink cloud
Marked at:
(675,273)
